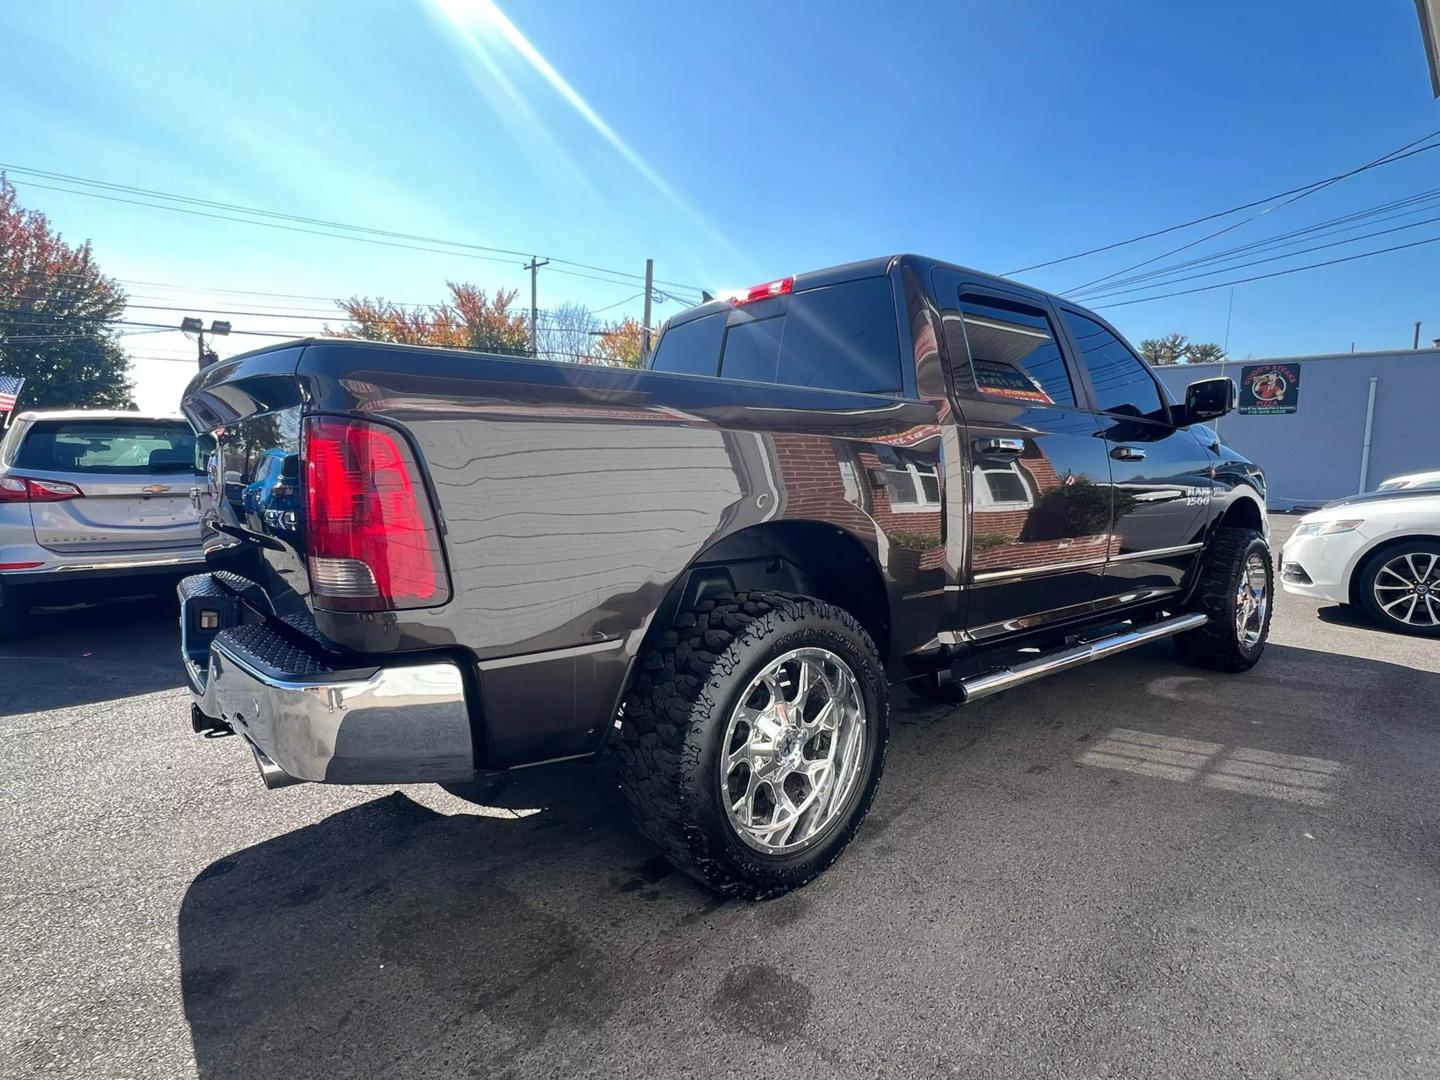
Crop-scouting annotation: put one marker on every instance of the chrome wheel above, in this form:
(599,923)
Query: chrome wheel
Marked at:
(793,751)
(1407,588)
(1252,601)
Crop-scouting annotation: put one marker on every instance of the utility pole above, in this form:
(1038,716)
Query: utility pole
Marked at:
(1416,345)
(534,267)
(649,289)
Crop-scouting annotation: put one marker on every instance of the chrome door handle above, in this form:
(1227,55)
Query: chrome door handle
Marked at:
(1128,453)
(999,448)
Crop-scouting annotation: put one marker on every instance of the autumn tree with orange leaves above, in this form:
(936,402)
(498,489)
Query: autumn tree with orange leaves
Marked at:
(622,345)
(470,319)
(57,316)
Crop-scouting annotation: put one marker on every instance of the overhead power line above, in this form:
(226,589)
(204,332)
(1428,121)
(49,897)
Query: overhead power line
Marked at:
(300,315)
(618,303)
(1277,273)
(1202,219)
(1387,159)
(59,320)
(329,235)
(1418,204)
(276,218)
(1258,262)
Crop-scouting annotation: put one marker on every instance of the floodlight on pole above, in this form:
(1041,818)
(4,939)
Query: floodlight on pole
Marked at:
(191,325)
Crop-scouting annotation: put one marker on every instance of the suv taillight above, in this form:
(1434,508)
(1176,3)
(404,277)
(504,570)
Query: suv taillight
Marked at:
(28,489)
(370,536)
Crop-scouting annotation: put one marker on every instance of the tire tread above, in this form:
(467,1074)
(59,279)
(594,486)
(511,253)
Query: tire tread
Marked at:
(1214,645)
(681,679)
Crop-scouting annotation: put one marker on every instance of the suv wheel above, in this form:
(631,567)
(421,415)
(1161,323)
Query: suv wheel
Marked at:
(1235,589)
(753,739)
(1400,587)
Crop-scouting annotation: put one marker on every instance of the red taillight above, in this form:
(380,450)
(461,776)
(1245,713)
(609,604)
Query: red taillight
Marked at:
(28,489)
(763,292)
(371,541)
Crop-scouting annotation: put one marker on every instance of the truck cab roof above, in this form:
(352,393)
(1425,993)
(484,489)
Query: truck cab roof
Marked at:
(863,268)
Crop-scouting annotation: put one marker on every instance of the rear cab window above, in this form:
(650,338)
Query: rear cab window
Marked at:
(108,447)
(691,348)
(1013,351)
(835,337)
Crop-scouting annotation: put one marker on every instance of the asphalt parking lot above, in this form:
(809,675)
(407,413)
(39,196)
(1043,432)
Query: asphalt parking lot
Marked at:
(1132,870)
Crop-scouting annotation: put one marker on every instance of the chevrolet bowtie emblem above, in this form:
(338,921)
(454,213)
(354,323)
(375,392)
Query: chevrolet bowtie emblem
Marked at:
(156,489)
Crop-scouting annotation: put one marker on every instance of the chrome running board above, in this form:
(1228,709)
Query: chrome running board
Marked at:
(993,682)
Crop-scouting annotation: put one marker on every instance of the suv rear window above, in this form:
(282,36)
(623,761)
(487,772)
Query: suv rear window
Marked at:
(114,447)
(840,337)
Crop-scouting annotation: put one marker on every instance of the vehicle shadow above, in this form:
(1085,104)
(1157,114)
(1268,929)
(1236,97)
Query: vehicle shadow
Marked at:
(391,931)
(1355,617)
(393,938)
(502,934)
(114,650)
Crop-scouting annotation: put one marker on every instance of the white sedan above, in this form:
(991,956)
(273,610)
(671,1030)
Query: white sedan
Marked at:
(1380,552)
(1411,480)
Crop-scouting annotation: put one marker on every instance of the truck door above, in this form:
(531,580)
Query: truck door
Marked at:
(1162,475)
(1035,467)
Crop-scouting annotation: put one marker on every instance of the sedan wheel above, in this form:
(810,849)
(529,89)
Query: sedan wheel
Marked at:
(1401,588)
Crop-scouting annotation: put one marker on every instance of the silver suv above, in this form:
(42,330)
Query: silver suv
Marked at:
(93,505)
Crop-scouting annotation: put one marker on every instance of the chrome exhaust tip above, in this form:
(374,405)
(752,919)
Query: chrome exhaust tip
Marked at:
(271,774)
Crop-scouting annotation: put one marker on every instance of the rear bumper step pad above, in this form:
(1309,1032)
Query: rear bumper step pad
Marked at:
(307,720)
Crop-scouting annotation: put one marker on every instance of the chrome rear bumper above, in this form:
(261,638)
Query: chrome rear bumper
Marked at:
(308,721)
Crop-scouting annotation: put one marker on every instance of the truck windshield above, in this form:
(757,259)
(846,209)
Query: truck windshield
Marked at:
(115,447)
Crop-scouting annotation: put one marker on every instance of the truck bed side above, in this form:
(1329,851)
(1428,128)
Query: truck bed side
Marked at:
(572,500)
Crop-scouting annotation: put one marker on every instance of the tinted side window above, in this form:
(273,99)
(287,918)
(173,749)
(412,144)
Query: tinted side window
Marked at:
(692,348)
(1014,353)
(752,348)
(842,337)
(1122,385)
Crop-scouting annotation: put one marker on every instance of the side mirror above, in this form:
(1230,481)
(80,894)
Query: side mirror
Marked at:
(1209,399)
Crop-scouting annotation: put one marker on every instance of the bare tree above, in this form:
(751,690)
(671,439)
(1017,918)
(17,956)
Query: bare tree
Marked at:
(566,333)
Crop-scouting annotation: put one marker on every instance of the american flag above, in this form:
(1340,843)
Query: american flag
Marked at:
(9,390)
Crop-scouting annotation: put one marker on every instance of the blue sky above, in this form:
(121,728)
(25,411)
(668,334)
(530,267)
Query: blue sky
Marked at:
(732,143)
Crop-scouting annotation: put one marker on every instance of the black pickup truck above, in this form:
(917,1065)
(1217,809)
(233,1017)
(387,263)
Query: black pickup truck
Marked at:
(427,565)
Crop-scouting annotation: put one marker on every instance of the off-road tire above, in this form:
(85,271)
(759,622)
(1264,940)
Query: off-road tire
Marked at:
(674,720)
(1364,589)
(1216,644)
